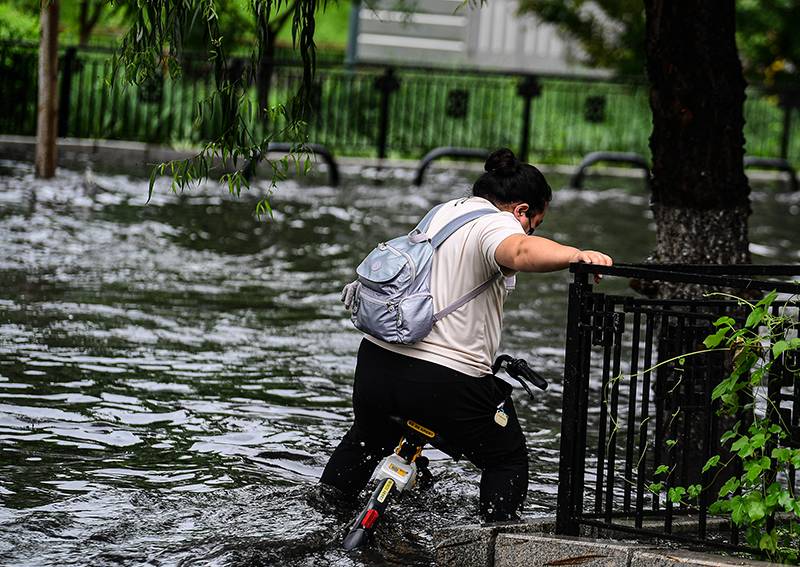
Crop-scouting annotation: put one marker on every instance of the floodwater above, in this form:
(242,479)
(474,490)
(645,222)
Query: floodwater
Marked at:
(174,374)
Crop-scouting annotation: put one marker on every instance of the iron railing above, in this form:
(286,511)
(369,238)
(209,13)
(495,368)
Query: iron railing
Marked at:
(636,399)
(373,110)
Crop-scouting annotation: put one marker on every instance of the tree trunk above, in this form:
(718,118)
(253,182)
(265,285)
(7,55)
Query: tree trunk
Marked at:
(268,29)
(87,21)
(47,112)
(700,192)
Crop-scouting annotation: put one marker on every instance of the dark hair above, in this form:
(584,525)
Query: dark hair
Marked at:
(507,181)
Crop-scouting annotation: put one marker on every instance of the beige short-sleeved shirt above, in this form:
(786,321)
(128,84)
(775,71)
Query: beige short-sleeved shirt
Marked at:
(465,340)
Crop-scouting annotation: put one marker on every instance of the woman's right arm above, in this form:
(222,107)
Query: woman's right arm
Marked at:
(522,253)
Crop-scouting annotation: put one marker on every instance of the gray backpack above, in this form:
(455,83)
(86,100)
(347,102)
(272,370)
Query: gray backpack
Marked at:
(392,298)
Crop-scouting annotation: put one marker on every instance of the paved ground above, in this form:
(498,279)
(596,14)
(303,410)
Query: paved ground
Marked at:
(532,544)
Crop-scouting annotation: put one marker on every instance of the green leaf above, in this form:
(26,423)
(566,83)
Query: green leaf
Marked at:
(767,300)
(758,440)
(756,507)
(712,462)
(728,435)
(769,542)
(724,321)
(753,537)
(152,183)
(771,500)
(745,451)
(731,486)
(740,443)
(753,471)
(675,494)
(723,388)
(662,469)
(755,317)
(713,340)
(780,347)
(781,454)
(746,447)
(756,377)
(785,500)
(737,512)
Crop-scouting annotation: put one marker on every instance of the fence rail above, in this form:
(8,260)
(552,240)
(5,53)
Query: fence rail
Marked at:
(374,111)
(637,404)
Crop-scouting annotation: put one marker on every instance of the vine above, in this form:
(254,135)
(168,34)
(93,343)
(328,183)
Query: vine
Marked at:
(762,499)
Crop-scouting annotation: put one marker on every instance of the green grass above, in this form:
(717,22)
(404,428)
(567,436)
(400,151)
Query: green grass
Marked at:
(331,27)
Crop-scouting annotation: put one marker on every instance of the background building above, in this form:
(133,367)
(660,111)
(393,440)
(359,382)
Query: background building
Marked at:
(459,34)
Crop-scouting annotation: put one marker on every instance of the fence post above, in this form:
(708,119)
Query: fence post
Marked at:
(67,66)
(528,89)
(233,76)
(351,53)
(572,448)
(387,84)
(789,101)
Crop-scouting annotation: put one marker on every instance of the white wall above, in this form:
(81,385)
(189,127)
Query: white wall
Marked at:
(450,32)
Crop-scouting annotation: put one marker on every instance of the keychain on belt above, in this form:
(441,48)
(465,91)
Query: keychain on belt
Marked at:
(500,417)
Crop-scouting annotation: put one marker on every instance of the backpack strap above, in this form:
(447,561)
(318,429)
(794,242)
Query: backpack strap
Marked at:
(457,223)
(443,235)
(426,220)
(418,234)
(466,298)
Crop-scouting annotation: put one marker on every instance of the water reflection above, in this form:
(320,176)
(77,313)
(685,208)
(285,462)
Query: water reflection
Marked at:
(175,374)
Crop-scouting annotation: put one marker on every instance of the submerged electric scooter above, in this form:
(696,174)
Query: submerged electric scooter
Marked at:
(399,472)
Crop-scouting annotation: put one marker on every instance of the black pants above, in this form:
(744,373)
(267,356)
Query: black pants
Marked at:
(457,406)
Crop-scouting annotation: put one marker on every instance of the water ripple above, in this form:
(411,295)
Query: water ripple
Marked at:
(174,375)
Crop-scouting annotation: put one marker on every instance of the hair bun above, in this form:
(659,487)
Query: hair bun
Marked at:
(502,159)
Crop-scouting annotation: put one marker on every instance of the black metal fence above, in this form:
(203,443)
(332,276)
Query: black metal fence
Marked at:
(374,111)
(638,413)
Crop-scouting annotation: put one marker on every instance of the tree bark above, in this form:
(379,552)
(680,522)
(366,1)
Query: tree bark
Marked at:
(700,196)
(88,21)
(47,111)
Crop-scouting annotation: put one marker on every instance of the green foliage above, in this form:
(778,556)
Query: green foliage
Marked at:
(760,499)
(18,25)
(610,32)
(153,46)
(766,34)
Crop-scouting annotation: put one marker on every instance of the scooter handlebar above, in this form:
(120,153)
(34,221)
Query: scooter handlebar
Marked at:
(519,366)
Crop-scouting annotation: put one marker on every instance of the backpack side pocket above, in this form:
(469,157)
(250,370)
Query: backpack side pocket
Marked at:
(415,318)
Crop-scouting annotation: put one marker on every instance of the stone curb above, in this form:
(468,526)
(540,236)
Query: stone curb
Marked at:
(532,544)
(80,153)
(103,155)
